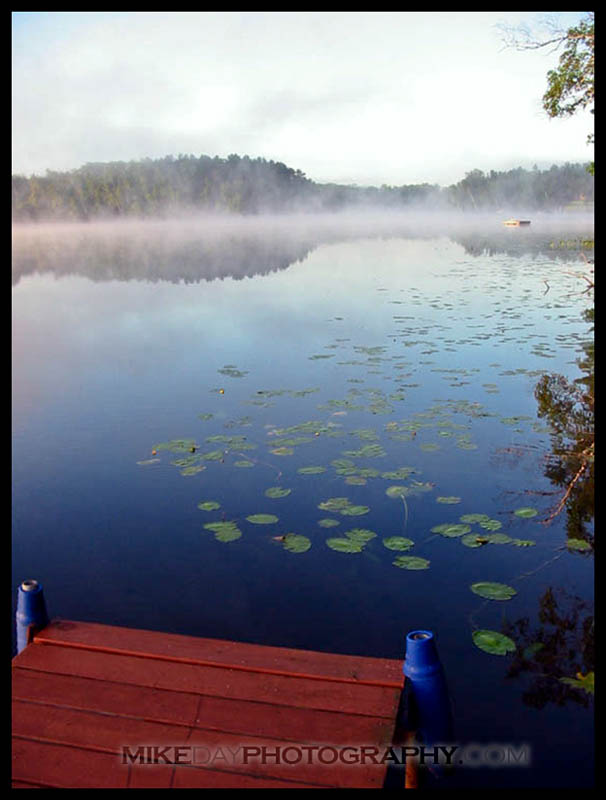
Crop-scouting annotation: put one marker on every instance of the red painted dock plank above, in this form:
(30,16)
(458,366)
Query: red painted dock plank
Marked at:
(83,692)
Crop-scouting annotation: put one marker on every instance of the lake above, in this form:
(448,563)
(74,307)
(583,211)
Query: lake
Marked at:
(349,403)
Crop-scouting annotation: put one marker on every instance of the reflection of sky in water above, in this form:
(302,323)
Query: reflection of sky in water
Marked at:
(103,371)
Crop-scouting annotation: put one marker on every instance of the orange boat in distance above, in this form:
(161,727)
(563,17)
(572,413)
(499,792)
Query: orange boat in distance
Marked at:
(515,223)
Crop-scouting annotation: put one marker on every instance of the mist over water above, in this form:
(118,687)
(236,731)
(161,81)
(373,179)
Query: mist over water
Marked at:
(411,344)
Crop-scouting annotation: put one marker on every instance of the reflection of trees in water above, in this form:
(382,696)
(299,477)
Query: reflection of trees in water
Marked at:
(520,242)
(569,408)
(178,252)
(558,644)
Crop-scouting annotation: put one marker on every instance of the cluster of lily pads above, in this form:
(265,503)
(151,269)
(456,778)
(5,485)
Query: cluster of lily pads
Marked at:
(473,530)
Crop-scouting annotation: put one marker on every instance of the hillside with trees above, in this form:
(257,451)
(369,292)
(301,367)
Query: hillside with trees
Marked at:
(243,185)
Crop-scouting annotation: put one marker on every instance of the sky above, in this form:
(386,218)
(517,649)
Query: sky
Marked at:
(365,98)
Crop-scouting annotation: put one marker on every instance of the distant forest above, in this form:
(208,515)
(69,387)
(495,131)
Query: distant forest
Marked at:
(243,185)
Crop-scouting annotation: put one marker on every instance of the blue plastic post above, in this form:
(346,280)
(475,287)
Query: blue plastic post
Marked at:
(423,669)
(31,610)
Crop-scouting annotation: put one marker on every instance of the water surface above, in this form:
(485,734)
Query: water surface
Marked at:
(361,348)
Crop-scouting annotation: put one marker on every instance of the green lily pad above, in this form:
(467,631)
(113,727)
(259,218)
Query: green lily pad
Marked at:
(473,540)
(328,523)
(356,480)
(577,544)
(262,519)
(451,529)
(311,470)
(244,464)
(398,543)
(282,451)
(523,542)
(493,591)
(411,562)
(345,545)
(526,512)
(491,524)
(585,682)
(354,511)
(499,538)
(334,504)
(474,518)
(397,491)
(295,543)
(493,642)
(361,535)
(194,470)
(213,455)
(277,491)
(448,500)
(209,505)
(224,531)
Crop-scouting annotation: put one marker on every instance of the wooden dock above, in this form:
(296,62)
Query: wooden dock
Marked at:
(232,714)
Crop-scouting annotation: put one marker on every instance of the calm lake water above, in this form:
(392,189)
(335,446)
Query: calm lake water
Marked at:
(379,352)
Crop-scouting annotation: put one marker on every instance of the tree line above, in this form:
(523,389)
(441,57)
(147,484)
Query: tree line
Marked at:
(244,185)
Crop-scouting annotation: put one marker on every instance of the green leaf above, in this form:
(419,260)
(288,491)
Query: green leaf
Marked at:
(493,642)
(345,545)
(328,523)
(209,505)
(277,491)
(491,524)
(493,591)
(411,562)
(451,530)
(585,682)
(577,544)
(282,451)
(448,500)
(523,542)
(311,470)
(526,512)
(334,504)
(354,511)
(262,519)
(474,518)
(473,540)
(397,491)
(295,543)
(224,531)
(397,543)
(499,538)
(360,535)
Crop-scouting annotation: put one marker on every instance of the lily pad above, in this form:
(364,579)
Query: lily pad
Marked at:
(577,544)
(398,543)
(277,491)
(493,591)
(244,464)
(361,535)
(491,524)
(448,500)
(224,531)
(282,451)
(334,504)
(526,512)
(411,562)
(499,538)
(311,470)
(262,519)
(328,523)
(354,511)
(585,682)
(523,542)
(493,642)
(474,518)
(473,540)
(209,505)
(345,545)
(451,529)
(397,491)
(295,543)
